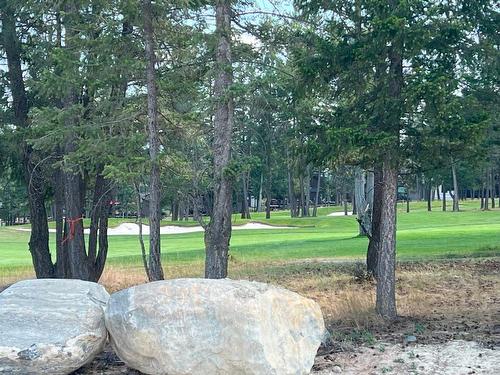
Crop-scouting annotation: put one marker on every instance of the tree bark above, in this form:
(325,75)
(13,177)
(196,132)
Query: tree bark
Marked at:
(39,236)
(245,211)
(154,261)
(456,197)
(354,203)
(481,196)
(139,222)
(98,236)
(316,197)
(429,196)
(302,203)
(291,194)
(175,210)
(486,194)
(369,192)
(307,199)
(62,265)
(362,206)
(268,195)
(259,202)
(74,183)
(344,195)
(218,231)
(492,189)
(370,185)
(444,196)
(386,274)
(373,245)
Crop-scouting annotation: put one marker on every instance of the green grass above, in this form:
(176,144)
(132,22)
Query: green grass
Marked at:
(421,235)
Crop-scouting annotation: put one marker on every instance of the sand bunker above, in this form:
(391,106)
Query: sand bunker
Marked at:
(126,229)
(339,213)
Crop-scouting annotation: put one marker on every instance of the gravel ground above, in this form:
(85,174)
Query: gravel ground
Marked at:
(451,358)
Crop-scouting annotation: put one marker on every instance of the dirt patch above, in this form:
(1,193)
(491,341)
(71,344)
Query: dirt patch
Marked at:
(451,358)
(106,363)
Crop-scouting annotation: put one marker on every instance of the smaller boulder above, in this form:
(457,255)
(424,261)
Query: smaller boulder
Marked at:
(51,326)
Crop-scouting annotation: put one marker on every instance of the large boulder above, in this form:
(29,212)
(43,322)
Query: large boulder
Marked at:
(214,327)
(50,326)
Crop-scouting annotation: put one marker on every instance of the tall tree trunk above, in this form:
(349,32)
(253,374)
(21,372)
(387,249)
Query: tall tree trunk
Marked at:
(316,197)
(344,197)
(268,195)
(98,237)
(39,236)
(291,194)
(62,265)
(175,209)
(259,202)
(456,197)
(73,179)
(481,196)
(302,202)
(486,194)
(492,189)
(307,193)
(386,274)
(218,231)
(245,214)
(373,245)
(369,192)
(444,196)
(105,208)
(139,222)
(354,203)
(362,205)
(498,197)
(307,199)
(429,196)
(155,268)
(370,186)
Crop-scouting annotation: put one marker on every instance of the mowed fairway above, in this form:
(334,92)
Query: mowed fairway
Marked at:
(421,235)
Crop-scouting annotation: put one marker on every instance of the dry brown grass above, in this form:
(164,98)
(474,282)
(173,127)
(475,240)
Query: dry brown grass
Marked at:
(8,277)
(453,299)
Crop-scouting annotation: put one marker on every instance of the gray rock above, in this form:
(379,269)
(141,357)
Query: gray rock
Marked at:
(214,327)
(410,339)
(51,326)
(337,369)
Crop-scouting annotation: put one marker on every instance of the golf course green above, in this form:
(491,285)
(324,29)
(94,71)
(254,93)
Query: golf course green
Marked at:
(421,235)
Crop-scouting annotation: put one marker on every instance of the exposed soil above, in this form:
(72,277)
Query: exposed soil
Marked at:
(451,358)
